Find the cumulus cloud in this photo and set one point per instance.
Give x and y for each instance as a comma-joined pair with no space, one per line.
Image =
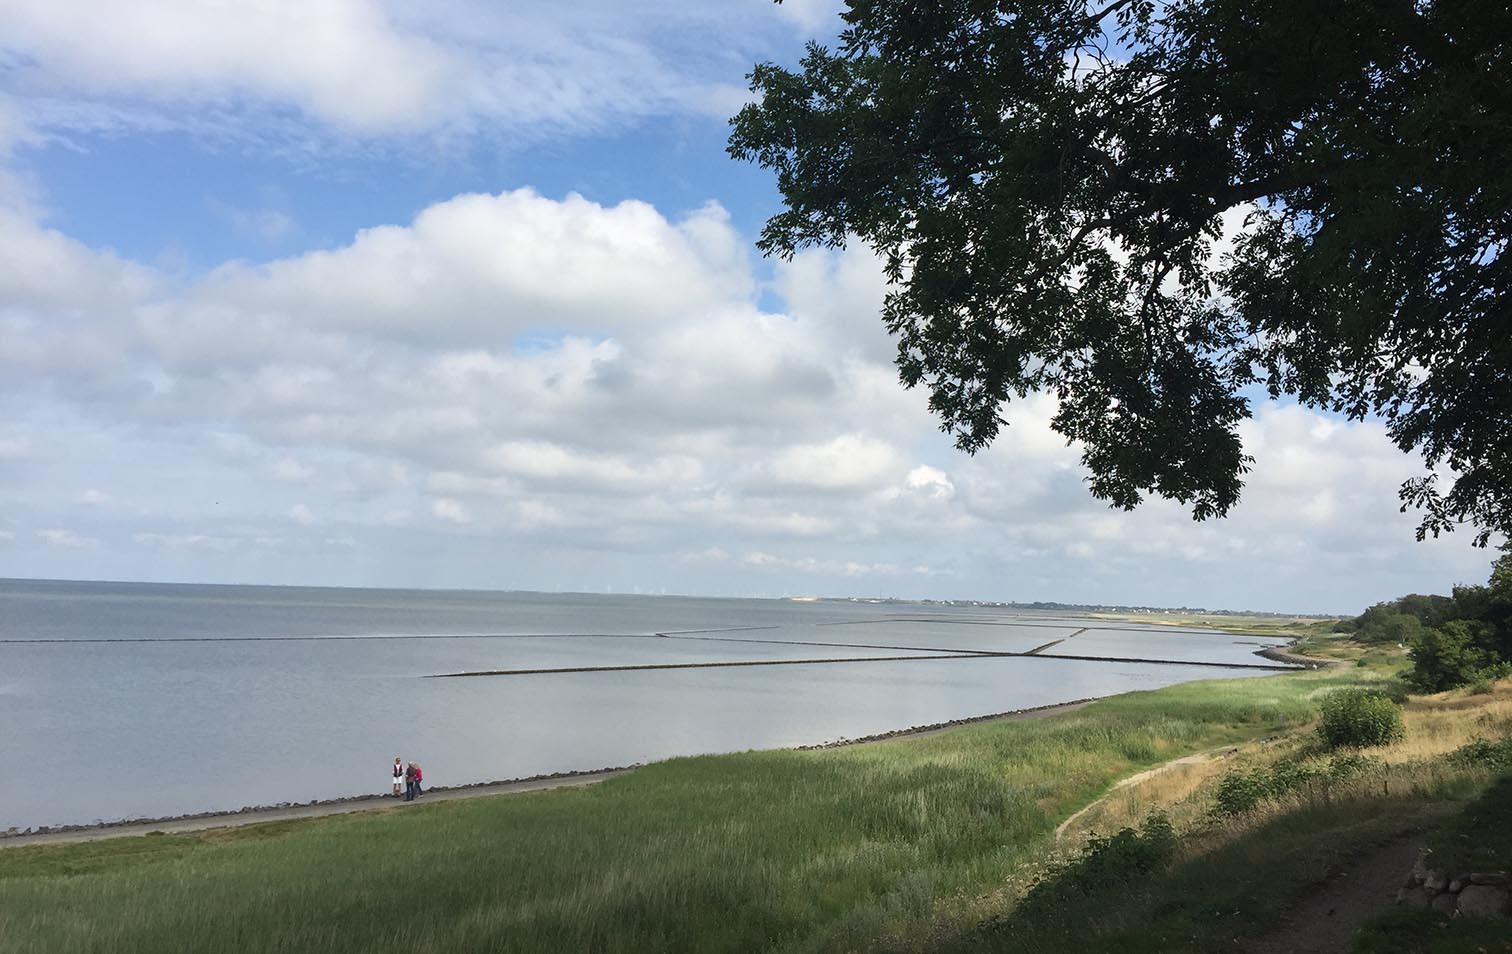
568,389
371,68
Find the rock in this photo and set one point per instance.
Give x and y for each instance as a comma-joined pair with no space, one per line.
1420,867
1483,901
1435,881
1487,877
1443,903
1418,898
1456,885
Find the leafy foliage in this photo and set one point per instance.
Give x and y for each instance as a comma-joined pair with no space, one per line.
1359,718
1242,791
1047,181
1453,640
1496,755
1105,862
1452,655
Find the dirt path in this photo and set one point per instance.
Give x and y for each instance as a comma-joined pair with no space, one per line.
1325,923
1134,779
382,803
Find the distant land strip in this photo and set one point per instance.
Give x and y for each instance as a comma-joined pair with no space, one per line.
1173,629
959,654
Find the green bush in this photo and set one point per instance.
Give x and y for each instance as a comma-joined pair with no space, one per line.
1105,863
1451,655
1495,755
1349,764
1239,792
1358,718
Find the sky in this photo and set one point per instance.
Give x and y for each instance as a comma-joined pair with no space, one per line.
465,294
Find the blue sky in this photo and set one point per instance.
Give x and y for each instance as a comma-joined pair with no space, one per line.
359,293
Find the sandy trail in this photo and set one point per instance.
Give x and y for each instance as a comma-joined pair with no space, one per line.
1134,779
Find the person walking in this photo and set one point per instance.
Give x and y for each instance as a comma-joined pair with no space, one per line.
398,777
419,777
409,782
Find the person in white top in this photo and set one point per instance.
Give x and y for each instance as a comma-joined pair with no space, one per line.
398,777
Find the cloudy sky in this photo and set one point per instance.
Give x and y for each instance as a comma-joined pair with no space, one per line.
463,294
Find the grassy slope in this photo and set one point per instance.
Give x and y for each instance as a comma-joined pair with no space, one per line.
786,851
1233,876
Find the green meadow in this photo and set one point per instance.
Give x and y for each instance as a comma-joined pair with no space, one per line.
913,844
823,850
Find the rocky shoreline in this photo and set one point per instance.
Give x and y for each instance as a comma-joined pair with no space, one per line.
359,802
350,800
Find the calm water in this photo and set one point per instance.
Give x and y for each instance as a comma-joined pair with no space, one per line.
142,700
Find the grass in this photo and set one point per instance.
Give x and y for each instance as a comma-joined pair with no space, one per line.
1479,838
868,847
1233,875
910,845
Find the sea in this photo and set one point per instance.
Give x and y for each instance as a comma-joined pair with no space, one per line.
143,700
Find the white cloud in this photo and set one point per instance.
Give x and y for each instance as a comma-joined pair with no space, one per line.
444,508
58,537
590,388
848,462
186,541
930,482
289,469
372,68
343,61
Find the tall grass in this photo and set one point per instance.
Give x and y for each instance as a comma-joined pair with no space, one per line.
795,851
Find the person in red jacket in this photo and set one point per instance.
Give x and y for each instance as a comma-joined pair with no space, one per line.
419,777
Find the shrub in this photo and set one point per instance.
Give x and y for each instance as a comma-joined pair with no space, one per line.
1450,655
1239,792
1349,764
1359,718
1494,755
1105,863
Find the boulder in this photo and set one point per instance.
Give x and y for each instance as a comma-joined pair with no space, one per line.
1456,885
1418,898
1420,866
1435,881
1483,901
1487,877
1442,903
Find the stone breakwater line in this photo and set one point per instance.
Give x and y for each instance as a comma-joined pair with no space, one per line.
963,654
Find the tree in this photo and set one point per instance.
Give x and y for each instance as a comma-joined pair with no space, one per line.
1046,182
1450,655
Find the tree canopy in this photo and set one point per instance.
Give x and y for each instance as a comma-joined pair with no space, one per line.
1046,182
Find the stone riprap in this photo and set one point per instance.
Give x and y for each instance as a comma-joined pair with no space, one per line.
1480,894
